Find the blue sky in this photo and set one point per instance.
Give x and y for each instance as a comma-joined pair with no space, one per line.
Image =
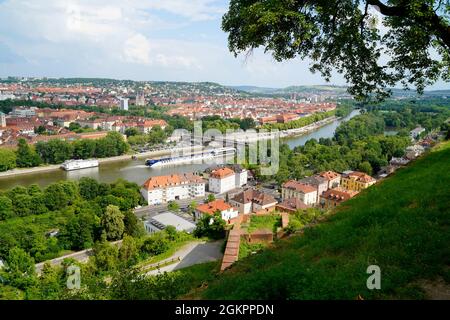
173,40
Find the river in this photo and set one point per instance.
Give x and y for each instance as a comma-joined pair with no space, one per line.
136,171
326,131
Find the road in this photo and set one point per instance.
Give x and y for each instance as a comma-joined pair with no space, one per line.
191,254
80,256
150,211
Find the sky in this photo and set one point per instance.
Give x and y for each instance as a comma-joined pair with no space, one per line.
160,40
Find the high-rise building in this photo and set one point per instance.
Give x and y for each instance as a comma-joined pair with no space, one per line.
2,120
124,104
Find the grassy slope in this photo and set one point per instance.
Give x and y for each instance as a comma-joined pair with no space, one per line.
402,225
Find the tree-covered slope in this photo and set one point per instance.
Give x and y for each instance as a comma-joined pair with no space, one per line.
402,225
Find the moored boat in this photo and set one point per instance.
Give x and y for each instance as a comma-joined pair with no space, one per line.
70,165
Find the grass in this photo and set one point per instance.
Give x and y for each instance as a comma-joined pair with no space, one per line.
401,224
174,247
246,249
270,222
197,276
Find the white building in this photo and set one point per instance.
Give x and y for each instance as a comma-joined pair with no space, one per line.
253,201
162,189
124,104
2,120
241,175
222,180
23,112
6,96
333,178
163,220
294,189
226,211
414,151
225,179
416,132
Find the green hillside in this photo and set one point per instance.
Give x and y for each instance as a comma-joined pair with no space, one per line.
402,225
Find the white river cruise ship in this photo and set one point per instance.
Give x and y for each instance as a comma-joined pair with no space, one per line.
70,165
194,157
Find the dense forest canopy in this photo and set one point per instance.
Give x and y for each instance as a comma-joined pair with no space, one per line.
353,37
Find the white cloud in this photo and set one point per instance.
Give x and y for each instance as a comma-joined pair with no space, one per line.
137,49
177,61
136,39
196,10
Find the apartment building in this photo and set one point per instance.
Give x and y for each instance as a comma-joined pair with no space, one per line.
356,181
253,201
222,180
295,189
291,205
162,189
333,178
226,210
333,197
320,184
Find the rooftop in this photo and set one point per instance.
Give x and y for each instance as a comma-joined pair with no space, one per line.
252,195
329,175
359,176
171,180
170,219
214,206
315,180
292,204
222,173
298,186
338,194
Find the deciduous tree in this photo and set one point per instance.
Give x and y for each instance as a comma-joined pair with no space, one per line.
112,223
374,43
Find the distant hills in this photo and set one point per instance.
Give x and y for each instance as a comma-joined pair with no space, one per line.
311,89
328,89
302,90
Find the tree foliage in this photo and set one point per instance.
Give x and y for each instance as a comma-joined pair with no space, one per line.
7,159
210,226
375,44
112,223
26,156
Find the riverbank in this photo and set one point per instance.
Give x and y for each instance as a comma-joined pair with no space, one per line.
290,133
308,128
49,168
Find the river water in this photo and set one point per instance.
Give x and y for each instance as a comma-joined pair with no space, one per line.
136,171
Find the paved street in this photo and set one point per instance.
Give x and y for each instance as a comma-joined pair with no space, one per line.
150,211
191,254
80,256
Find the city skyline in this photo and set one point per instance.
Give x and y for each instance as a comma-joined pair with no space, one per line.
138,40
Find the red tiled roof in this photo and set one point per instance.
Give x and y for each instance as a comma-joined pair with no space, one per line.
292,204
256,196
338,195
329,175
214,206
222,173
171,180
301,187
360,176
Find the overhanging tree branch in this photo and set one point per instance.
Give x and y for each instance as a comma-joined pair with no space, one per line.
442,29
